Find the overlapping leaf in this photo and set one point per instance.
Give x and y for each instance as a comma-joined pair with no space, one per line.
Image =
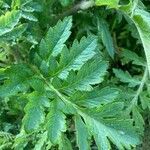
90,74
119,131
79,54
64,77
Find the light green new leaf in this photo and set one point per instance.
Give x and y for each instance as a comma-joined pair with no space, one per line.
34,112
55,39
9,21
82,134
78,55
56,123
110,3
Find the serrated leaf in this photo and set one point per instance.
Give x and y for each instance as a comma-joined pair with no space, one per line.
138,119
109,110
34,112
90,74
29,16
57,36
145,100
106,37
18,76
132,56
120,131
56,123
9,21
96,97
14,33
82,134
126,77
55,39
78,55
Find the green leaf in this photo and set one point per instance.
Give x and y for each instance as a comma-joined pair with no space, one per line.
56,123
126,77
78,55
65,143
138,119
34,112
14,33
133,57
9,21
90,74
141,19
66,2
95,97
110,3
29,16
42,140
145,100
120,131
106,37
17,81
19,3
20,142
55,39
82,135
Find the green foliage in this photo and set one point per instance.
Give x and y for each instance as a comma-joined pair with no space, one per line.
112,4
106,37
141,18
126,78
9,21
66,87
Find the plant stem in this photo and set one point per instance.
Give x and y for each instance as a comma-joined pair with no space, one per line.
52,88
